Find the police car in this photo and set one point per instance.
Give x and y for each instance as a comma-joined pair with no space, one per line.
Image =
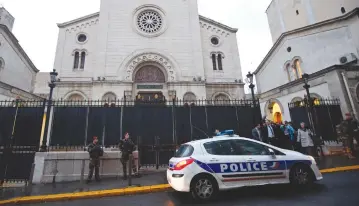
227,161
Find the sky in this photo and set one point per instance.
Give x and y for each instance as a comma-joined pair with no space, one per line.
35,25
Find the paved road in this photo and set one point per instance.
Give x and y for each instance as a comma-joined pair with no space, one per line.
335,189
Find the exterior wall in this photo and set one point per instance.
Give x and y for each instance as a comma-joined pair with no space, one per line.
15,70
41,83
233,91
332,8
282,16
6,18
67,44
69,165
322,90
228,46
353,85
116,50
328,85
317,49
181,40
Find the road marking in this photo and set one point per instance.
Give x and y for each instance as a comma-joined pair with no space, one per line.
340,169
119,192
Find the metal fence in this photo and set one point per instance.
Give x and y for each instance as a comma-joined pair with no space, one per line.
156,127
326,115
20,129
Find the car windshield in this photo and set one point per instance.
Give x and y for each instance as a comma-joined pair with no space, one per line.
184,150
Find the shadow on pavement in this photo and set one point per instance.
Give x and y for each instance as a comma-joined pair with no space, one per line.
246,194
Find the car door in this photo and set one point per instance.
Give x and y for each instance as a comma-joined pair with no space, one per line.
224,162
260,166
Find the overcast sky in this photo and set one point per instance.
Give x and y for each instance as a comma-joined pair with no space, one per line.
35,25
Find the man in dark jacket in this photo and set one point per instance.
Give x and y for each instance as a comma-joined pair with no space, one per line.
346,131
95,152
256,133
127,147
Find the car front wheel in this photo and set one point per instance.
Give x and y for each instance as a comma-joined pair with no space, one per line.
301,175
204,188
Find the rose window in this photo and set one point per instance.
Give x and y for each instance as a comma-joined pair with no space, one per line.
149,21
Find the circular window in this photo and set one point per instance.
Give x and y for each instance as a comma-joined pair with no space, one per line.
82,38
289,49
149,21
215,41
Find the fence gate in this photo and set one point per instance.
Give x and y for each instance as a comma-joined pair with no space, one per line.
20,130
326,115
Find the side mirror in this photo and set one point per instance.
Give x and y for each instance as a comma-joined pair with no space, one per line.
271,152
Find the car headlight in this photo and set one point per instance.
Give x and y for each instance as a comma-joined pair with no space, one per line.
312,159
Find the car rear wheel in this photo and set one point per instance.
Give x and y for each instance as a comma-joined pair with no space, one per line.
301,175
204,188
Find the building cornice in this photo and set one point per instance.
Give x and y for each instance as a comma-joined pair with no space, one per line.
18,92
97,14
349,15
18,47
216,23
75,21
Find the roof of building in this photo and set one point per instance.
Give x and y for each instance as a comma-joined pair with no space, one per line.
18,46
97,14
288,33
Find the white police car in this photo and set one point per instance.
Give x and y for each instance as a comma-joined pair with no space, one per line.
204,167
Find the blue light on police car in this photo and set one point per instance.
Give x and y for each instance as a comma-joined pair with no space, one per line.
226,132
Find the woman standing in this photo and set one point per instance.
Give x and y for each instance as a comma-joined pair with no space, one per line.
305,139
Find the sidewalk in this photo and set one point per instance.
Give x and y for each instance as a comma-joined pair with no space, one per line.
147,179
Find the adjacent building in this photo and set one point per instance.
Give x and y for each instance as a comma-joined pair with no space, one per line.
17,72
317,37
146,49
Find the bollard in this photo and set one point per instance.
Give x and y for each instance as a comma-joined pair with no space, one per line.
130,170
29,185
82,174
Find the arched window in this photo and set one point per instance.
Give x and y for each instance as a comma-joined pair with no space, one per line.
221,99
110,97
214,62
76,97
289,72
83,58
220,66
189,97
297,69
217,61
76,60
2,64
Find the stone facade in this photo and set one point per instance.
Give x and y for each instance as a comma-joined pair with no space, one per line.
314,49
17,72
102,53
288,15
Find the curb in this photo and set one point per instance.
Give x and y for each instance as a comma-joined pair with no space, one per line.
119,192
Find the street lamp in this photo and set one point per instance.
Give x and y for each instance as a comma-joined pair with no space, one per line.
52,85
305,78
251,86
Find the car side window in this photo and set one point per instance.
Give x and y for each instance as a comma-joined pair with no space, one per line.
245,147
222,147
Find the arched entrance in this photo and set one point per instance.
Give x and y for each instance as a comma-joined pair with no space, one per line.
150,82
274,111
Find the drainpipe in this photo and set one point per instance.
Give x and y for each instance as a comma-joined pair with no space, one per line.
349,94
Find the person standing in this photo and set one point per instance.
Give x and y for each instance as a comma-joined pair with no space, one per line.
95,152
346,131
256,133
305,139
126,147
268,133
